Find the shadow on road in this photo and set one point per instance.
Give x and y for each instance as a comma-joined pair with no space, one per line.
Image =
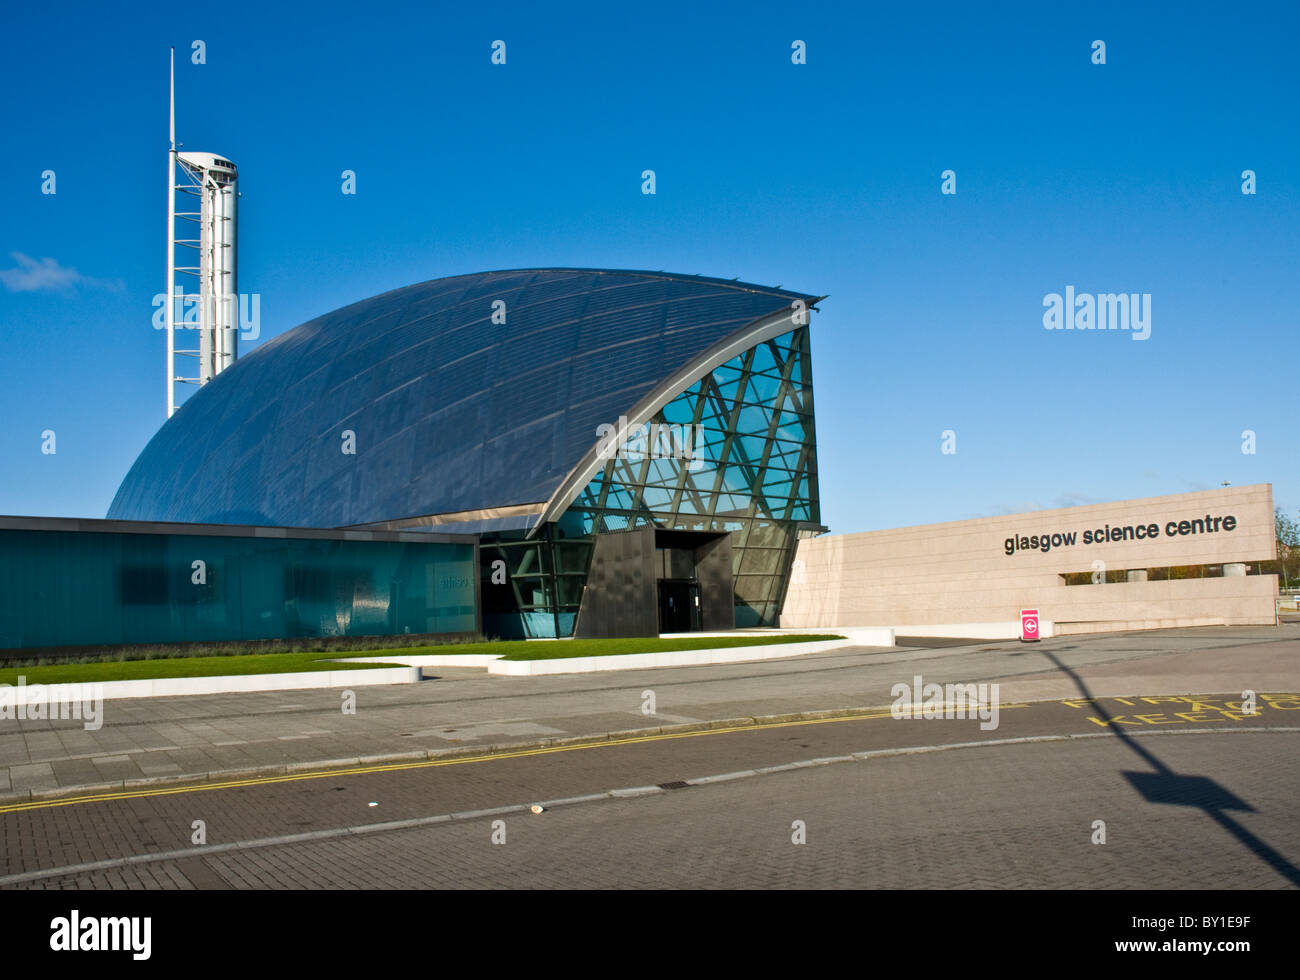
1168,787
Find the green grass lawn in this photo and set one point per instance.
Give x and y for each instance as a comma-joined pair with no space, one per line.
563,649
135,670
292,663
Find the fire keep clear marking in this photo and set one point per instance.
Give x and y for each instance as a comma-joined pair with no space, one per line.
1181,709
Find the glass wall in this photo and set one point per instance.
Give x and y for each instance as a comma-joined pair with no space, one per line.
87,588
532,588
736,451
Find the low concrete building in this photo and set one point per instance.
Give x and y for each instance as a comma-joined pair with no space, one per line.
972,578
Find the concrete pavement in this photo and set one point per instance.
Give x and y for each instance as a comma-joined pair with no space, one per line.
458,709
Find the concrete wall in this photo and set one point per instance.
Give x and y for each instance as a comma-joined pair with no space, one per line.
960,573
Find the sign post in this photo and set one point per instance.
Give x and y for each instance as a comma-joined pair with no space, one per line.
1029,625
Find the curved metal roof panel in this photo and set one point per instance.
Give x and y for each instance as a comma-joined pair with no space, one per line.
451,412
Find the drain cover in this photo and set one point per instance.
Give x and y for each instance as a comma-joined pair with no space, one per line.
675,784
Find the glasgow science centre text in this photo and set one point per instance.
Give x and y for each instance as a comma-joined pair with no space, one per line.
1129,532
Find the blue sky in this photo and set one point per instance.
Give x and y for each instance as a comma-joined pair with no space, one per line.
823,177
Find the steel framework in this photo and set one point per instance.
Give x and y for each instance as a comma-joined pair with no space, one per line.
205,224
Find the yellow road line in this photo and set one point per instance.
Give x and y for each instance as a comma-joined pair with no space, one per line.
144,793
135,794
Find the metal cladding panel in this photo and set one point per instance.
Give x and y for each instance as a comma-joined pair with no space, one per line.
621,595
713,566
451,412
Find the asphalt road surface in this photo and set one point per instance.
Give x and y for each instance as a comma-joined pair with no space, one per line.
1159,792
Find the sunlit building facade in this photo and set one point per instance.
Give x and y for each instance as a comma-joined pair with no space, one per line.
635,451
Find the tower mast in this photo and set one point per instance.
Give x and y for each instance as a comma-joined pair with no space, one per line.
210,185
171,244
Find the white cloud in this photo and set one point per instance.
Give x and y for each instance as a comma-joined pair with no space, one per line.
36,275
1072,499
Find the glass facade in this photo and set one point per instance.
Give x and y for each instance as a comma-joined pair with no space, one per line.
543,587
736,451
86,588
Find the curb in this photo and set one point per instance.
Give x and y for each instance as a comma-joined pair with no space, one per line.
706,657
176,687
412,669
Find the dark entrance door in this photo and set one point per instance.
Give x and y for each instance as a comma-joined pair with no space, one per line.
679,607
678,581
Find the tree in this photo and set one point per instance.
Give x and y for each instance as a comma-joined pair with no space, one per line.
1288,542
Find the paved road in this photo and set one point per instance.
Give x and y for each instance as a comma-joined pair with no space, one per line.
195,737
1194,793
1148,733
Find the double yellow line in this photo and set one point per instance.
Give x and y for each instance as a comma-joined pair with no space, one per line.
143,793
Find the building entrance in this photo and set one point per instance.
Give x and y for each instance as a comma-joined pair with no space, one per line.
650,580
679,606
